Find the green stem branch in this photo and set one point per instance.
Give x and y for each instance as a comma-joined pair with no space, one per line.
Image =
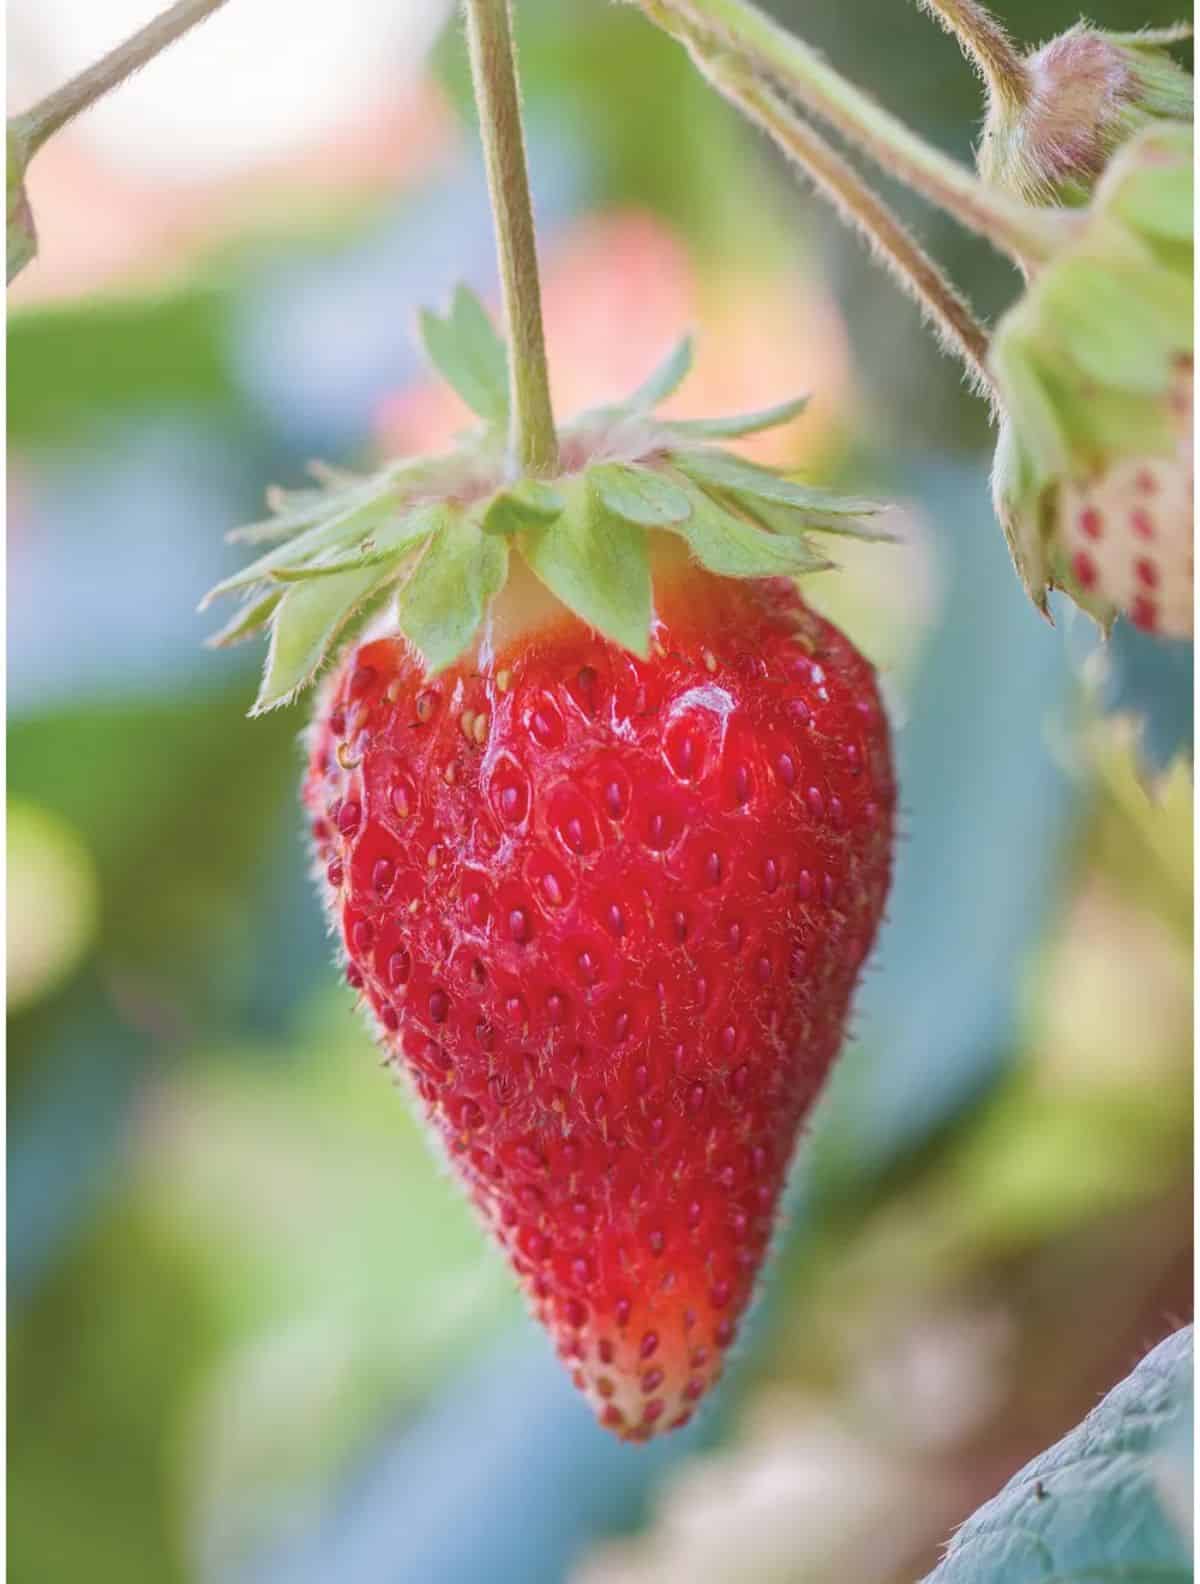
493,70
1029,236
860,207
985,43
65,103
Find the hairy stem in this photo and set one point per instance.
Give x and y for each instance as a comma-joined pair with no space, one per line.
1027,235
493,70
985,43
860,207
65,103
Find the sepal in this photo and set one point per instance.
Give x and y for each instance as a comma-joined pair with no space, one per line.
441,603
305,625
466,351
665,380
1093,363
437,534
597,564
641,496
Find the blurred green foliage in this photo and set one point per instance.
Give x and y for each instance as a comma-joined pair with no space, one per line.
174,871
77,364
104,1366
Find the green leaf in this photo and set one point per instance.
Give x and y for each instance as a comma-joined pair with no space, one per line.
22,237
523,505
731,546
441,604
1089,1509
638,495
684,429
597,564
469,355
1176,1464
666,379
306,624
252,617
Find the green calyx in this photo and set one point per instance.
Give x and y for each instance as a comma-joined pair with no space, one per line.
1084,95
433,536
1086,362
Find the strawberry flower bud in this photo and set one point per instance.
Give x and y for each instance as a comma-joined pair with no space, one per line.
1084,95
1094,470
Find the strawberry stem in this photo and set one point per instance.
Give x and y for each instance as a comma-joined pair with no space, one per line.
493,70
1028,236
858,204
986,45
65,103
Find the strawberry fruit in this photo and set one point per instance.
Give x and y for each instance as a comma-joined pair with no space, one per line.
1128,532
603,814
1094,366
608,914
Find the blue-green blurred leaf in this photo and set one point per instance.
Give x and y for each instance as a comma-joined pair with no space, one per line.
1088,1510
1175,1463
507,1479
1152,681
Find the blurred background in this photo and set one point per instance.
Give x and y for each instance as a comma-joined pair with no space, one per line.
254,1335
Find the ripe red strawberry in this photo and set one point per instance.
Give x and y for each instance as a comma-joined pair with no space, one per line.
608,914
604,818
